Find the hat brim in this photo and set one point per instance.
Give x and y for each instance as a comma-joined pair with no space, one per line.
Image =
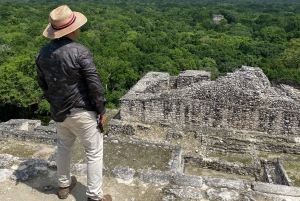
49,32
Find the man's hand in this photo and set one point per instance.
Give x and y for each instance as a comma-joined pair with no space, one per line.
100,122
102,119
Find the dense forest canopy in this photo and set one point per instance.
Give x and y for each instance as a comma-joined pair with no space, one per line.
129,38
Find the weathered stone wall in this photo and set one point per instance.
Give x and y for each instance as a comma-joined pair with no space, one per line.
240,113
18,129
275,173
176,185
281,175
20,124
222,166
218,140
242,100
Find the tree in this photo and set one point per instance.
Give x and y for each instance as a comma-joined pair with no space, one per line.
291,55
273,34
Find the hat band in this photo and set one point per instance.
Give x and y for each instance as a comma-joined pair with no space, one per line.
65,25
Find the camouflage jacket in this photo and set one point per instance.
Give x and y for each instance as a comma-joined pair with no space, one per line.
68,78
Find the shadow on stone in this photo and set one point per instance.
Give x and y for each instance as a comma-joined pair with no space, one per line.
38,175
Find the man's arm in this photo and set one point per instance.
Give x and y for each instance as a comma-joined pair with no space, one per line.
93,81
42,82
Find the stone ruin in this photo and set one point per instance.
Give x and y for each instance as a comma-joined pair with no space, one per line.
241,113
201,122
217,18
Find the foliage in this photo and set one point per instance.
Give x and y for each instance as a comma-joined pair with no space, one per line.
130,38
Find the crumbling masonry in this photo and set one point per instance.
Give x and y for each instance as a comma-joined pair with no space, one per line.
199,121
240,113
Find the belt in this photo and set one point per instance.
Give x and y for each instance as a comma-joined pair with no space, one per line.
83,108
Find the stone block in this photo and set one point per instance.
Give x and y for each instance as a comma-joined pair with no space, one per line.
222,194
157,177
6,160
225,183
183,192
187,180
5,174
124,173
79,169
24,175
276,189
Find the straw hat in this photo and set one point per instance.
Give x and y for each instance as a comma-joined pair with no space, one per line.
63,21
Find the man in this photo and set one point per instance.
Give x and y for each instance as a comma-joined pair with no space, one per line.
71,84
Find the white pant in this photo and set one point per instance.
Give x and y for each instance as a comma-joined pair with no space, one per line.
81,124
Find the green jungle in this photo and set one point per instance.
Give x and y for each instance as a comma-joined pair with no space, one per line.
129,38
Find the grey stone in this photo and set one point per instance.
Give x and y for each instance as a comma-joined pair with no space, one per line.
47,130
5,174
172,133
37,163
143,127
222,194
53,156
52,165
52,123
281,177
118,127
48,188
276,189
248,196
79,169
20,124
24,135
12,124
23,175
157,177
184,192
224,183
6,160
191,99
169,198
187,180
124,173
115,141
175,163
272,197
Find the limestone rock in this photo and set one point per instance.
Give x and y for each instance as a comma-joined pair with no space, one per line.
222,194
184,192
6,160
187,180
5,174
23,175
79,169
155,177
225,183
123,173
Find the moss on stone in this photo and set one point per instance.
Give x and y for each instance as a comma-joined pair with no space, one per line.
20,148
129,155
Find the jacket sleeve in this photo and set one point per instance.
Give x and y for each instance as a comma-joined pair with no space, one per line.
41,81
93,80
